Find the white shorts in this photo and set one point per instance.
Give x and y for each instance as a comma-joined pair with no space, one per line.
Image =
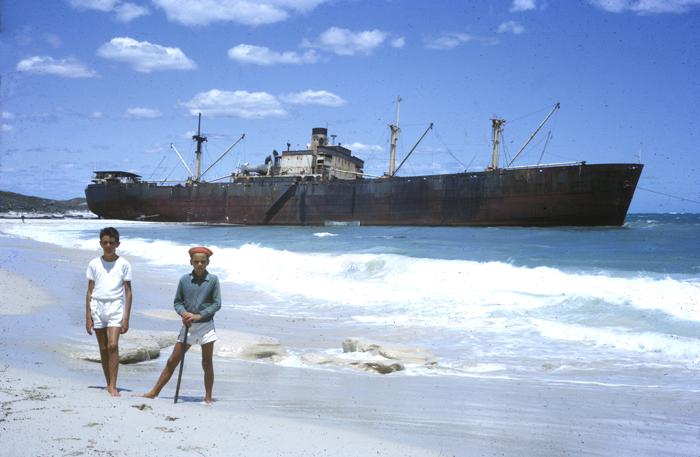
106,313
198,333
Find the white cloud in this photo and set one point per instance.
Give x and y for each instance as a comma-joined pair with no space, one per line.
260,55
398,42
159,147
96,115
144,56
248,12
523,5
7,115
6,127
35,117
45,65
451,40
510,27
612,6
646,6
127,12
142,113
247,105
364,147
313,97
346,42
99,5
123,11
53,40
448,41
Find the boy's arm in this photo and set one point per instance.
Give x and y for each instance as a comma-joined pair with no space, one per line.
215,304
179,302
88,315
127,306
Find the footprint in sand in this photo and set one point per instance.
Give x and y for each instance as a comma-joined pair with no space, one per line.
141,407
165,429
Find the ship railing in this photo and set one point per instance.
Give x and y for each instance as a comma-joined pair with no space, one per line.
359,174
546,165
166,181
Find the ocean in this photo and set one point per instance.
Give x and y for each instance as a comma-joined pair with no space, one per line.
613,306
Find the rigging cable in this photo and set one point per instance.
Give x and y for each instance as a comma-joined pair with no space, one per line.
169,174
503,144
549,135
450,152
669,195
510,121
157,167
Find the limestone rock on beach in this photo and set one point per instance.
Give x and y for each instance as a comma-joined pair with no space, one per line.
404,354
247,346
373,356
373,365
134,346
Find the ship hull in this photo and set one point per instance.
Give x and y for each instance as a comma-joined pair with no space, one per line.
573,195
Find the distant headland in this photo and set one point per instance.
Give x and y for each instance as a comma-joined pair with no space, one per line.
17,205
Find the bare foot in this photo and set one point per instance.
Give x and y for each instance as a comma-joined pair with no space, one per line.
208,401
114,392
149,395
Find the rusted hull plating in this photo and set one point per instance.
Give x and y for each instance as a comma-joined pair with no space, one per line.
575,195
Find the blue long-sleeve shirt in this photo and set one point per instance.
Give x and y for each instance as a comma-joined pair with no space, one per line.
198,295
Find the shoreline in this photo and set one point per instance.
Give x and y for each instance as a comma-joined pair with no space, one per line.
362,413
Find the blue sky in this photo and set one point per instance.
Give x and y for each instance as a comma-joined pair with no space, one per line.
109,84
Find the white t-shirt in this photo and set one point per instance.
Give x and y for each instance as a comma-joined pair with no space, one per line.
109,277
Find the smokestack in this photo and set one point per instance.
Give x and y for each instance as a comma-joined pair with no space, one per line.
319,137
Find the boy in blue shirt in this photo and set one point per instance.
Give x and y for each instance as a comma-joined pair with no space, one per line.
197,299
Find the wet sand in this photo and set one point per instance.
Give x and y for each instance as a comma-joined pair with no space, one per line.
51,403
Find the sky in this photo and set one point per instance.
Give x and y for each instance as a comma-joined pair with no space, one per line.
110,84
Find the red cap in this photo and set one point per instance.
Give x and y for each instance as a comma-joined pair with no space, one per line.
201,250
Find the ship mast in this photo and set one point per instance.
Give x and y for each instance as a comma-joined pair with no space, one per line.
199,139
394,138
496,126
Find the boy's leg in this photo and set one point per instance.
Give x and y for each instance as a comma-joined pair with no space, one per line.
168,369
101,335
208,366
113,354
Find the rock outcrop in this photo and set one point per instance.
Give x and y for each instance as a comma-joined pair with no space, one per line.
134,346
247,346
404,354
374,365
374,357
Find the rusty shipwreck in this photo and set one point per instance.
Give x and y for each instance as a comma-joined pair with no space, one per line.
326,184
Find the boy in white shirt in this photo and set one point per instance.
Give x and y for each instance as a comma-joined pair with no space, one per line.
108,303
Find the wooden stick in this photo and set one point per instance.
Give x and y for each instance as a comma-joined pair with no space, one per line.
182,364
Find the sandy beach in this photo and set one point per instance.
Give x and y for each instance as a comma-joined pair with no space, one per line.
52,401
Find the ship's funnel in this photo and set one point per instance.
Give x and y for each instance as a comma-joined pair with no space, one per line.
319,137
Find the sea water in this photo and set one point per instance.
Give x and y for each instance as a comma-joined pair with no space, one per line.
601,305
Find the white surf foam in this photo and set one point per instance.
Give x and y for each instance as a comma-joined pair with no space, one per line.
325,234
392,288
645,343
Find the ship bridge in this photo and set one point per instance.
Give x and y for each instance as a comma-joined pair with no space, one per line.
320,159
